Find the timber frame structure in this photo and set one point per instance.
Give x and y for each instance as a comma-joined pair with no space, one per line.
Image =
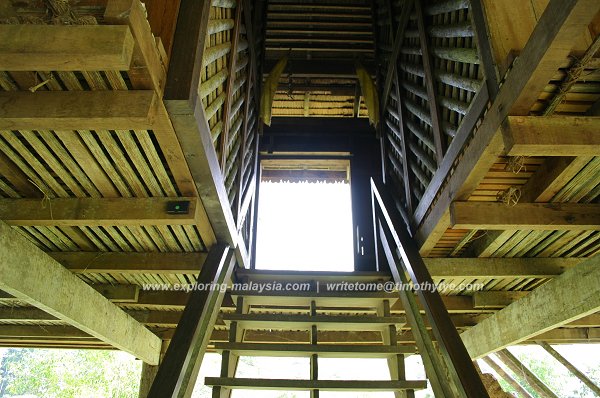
132,148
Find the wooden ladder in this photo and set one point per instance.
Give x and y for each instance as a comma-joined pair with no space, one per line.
314,321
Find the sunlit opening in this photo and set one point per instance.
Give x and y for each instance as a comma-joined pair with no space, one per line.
304,227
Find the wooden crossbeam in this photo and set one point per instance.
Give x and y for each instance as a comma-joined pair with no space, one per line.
34,277
83,110
130,263
189,263
571,296
95,212
534,216
65,48
552,136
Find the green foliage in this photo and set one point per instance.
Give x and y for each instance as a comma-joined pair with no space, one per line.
68,374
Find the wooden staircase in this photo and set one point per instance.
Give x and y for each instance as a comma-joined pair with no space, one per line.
313,311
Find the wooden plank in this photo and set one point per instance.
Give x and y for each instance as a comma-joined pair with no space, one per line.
323,350
549,45
130,263
18,178
552,136
85,110
529,216
65,48
177,374
306,385
95,212
32,276
571,296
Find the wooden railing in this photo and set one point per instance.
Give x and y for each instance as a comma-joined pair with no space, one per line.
450,370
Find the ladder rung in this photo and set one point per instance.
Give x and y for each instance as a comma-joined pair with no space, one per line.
323,385
305,322
323,350
322,299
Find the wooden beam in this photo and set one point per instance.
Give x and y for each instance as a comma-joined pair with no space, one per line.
534,216
130,263
82,110
571,296
506,377
194,136
95,212
574,371
177,374
496,299
552,136
548,46
34,277
65,48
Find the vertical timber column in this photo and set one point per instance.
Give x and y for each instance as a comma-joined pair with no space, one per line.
229,361
314,359
149,373
396,363
178,372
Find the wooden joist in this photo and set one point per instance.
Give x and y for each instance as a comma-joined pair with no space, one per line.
34,277
65,48
573,295
83,110
530,216
130,263
552,136
95,212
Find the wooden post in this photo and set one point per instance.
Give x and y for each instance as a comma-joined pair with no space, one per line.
177,374
314,358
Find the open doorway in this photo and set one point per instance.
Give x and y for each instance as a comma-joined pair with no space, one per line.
305,217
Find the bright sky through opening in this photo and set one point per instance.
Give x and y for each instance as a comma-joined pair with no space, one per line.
304,227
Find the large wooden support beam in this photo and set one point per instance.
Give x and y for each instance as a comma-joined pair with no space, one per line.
34,277
189,263
82,110
65,48
548,47
534,216
96,212
177,374
552,136
571,296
